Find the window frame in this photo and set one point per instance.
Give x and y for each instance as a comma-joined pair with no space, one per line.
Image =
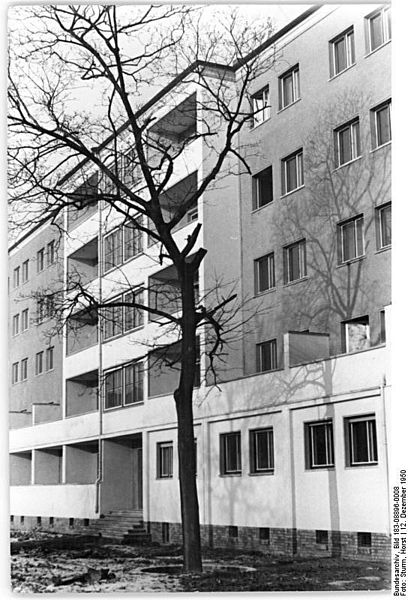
225,458
371,440
39,362
357,221
16,277
379,211
300,182
117,231
24,369
273,355
294,74
353,127
374,113
25,322
138,384
271,283
40,260
136,239
311,444
255,469
386,34
363,320
49,358
16,324
350,52
24,271
302,261
263,112
50,253
14,373
257,192
161,472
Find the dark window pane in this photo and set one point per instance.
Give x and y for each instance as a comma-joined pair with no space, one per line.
383,125
385,225
340,55
376,31
359,442
291,179
345,154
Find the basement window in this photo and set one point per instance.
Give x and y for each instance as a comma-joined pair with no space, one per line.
71,522
165,533
39,521
264,535
322,537
363,539
233,532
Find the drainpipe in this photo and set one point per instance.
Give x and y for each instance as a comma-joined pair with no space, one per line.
387,469
99,477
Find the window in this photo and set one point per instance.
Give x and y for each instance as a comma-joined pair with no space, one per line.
50,253
383,331
49,358
260,106
363,539
39,363
261,450
113,389
124,386
45,307
165,460
165,533
232,532
351,239
264,535
361,441
295,261
25,271
292,172
14,373
378,27
322,537
262,192
133,317
24,320
342,54
112,323
266,356
347,143
16,277
192,214
16,324
132,240
289,90
40,260
319,444
383,222
113,249
356,334
24,369
133,383
230,453
264,273
380,117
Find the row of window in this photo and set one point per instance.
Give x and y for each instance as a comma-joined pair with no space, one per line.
347,148
360,445
46,254
44,361
350,240
20,322
341,57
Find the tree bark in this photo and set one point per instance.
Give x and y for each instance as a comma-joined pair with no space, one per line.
186,446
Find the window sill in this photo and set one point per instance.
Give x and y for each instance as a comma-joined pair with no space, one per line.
293,191
257,125
351,261
296,281
381,146
320,468
122,406
127,260
288,105
346,164
362,465
230,474
378,48
384,249
164,477
267,371
260,473
256,210
341,72
264,292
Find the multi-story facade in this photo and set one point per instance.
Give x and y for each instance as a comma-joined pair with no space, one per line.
292,445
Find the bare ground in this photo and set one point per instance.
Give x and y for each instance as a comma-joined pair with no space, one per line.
119,568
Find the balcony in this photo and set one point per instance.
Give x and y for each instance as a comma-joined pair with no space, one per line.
176,128
83,201
82,331
82,394
82,265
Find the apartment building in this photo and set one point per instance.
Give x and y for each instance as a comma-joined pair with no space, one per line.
292,442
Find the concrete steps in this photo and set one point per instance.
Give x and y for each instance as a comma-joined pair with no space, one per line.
122,526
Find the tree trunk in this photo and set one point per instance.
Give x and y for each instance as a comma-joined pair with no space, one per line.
186,446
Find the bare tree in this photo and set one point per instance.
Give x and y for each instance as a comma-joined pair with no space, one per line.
119,55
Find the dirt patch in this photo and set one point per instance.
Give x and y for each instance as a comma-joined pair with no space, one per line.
116,568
